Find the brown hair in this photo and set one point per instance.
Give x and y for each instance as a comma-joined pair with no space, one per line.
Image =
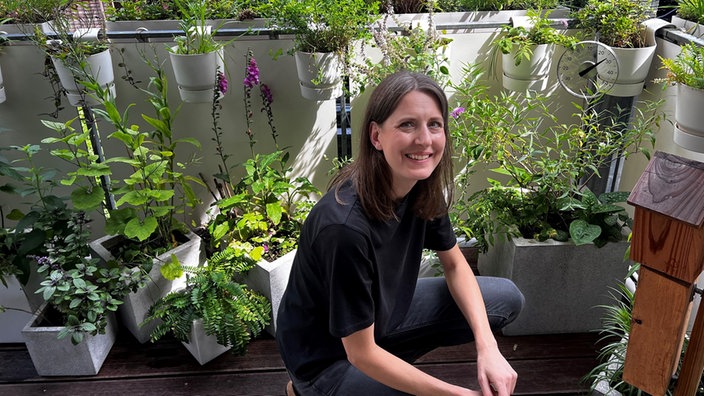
370,172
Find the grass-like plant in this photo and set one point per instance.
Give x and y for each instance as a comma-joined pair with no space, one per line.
691,10
687,67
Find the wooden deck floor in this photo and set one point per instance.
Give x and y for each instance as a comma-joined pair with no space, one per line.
546,365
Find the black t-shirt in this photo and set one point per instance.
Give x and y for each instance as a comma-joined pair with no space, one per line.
349,272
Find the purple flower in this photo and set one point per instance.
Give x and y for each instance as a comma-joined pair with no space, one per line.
266,94
252,76
222,82
266,248
456,112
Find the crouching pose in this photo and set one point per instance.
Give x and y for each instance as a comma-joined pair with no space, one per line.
355,315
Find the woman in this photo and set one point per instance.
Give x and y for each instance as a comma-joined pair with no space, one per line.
355,315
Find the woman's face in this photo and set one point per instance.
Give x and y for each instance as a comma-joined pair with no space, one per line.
412,140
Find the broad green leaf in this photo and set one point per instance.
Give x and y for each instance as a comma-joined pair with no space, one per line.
171,269
583,233
140,230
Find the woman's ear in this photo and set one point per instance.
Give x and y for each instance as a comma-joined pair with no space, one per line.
374,135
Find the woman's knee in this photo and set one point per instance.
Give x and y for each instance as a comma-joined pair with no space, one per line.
504,301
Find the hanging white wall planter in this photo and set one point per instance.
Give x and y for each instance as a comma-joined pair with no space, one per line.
529,74
689,118
196,74
633,65
319,75
100,68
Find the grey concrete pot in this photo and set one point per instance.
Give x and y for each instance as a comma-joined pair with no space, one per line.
136,305
58,357
203,347
562,283
270,279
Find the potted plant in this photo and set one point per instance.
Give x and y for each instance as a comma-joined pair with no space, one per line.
527,47
23,16
619,24
77,56
216,312
81,298
143,206
686,71
262,212
538,202
690,17
197,57
323,31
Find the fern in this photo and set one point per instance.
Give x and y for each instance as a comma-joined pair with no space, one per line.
230,311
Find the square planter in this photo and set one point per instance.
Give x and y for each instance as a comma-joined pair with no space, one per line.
203,347
563,284
59,357
136,305
270,279
21,302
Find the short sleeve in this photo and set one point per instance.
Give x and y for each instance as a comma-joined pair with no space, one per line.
345,255
439,234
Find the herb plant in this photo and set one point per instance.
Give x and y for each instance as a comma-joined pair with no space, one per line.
542,164
687,67
523,40
617,23
322,25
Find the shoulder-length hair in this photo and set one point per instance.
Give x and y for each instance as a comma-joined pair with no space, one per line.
370,173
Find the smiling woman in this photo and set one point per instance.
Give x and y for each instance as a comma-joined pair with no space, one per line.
355,315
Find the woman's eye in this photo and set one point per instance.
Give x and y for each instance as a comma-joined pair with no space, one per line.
435,125
407,124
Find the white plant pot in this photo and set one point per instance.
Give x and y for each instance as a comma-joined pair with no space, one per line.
196,74
59,357
693,28
633,67
270,279
203,347
98,65
319,75
563,284
530,74
3,97
689,118
136,305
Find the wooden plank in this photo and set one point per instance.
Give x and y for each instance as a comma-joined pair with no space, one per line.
667,245
660,311
524,347
671,185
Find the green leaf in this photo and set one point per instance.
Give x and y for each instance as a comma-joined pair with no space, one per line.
583,233
171,269
141,229
274,212
87,198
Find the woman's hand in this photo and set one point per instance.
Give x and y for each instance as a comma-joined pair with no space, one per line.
495,374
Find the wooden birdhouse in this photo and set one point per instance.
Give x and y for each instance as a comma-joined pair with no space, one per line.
668,242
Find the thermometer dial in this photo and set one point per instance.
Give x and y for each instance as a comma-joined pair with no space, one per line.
589,70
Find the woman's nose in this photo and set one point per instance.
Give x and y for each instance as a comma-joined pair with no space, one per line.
423,135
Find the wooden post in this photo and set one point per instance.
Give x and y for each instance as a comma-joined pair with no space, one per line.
693,365
668,241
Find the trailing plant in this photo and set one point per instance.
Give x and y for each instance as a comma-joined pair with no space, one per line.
687,67
543,164
523,40
214,293
77,287
322,25
617,23
417,48
262,211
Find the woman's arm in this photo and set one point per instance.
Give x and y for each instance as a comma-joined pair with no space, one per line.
377,363
494,372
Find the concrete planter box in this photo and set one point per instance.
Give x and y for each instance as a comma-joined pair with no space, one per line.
203,347
21,303
270,279
59,357
563,284
136,305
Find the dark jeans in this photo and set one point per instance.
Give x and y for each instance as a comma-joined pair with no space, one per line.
433,321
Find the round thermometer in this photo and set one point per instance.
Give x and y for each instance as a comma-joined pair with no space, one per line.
590,69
